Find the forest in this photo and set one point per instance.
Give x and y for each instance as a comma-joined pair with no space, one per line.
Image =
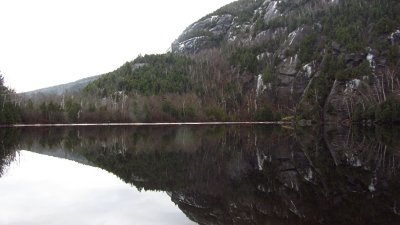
155,88
10,112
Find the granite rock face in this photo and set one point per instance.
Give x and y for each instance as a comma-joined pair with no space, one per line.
222,27
258,25
202,34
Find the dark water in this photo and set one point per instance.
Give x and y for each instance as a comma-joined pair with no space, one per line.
257,174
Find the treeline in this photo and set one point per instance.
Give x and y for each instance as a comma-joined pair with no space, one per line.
148,75
158,88
166,108
9,110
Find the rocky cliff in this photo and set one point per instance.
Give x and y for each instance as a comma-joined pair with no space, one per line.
324,59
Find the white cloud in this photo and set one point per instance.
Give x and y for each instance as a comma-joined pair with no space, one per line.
48,42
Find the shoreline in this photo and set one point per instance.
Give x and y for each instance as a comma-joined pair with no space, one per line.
143,124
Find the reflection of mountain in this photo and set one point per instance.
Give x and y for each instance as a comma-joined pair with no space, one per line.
61,153
246,175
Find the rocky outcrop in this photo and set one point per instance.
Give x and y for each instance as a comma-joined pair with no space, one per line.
233,28
289,66
214,28
203,34
294,53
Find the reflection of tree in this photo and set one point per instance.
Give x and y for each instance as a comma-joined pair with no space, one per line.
247,175
8,142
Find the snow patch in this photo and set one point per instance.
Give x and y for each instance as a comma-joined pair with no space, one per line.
293,59
352,85
394,36
261,157
292,36
137,178
260,56
266,2
261,187
262,35
181,46
190,43
370,58
353,160
232,39
260,85
372,187
138,65
333,1
271,11
214,18
189,201
309,175
308,69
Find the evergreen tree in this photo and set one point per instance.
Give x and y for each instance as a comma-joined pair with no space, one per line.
9,112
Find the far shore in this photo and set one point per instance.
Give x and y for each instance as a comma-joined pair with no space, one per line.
145,124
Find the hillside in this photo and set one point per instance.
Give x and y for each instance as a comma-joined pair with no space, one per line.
63,88
320,60
327,58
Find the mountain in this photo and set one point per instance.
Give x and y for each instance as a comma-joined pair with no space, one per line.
330,58
312,60
62,88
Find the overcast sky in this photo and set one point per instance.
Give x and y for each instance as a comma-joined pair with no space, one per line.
50,42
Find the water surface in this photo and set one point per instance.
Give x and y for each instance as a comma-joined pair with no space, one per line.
210,174
40,189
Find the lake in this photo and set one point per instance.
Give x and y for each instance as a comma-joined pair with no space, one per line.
200,174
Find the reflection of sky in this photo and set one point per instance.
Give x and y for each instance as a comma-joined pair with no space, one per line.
40,189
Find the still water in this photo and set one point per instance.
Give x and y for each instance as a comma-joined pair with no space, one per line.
40,189
220,174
